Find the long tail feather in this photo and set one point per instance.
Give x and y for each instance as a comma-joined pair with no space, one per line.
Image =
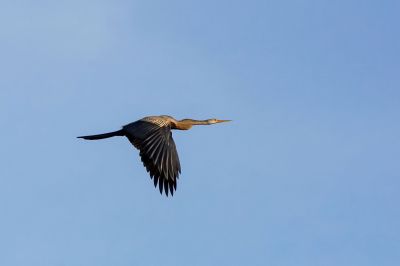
104,136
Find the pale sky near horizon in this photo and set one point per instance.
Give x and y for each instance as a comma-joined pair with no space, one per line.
307,173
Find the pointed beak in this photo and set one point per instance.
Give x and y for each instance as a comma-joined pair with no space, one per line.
220,121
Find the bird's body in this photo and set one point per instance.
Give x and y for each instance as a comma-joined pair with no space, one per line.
152,136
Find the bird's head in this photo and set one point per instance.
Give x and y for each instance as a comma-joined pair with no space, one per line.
215,121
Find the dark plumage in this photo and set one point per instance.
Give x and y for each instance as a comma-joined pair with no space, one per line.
152,136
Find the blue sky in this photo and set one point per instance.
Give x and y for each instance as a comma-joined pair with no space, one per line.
306,174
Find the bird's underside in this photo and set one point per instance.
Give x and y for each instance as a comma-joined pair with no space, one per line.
152,136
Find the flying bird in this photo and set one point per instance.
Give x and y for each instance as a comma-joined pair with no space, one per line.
152,136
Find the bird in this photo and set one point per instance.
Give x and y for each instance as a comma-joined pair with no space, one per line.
152,136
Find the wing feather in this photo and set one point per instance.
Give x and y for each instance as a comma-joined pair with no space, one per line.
157,151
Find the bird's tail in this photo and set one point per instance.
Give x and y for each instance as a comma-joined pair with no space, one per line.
104,136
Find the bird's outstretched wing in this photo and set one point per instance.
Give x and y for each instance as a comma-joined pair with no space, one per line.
157,151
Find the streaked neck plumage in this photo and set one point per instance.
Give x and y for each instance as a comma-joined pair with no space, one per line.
186,124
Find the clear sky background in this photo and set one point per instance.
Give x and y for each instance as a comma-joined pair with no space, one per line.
308,173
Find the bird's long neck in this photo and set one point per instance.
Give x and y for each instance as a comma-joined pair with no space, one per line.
186,124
